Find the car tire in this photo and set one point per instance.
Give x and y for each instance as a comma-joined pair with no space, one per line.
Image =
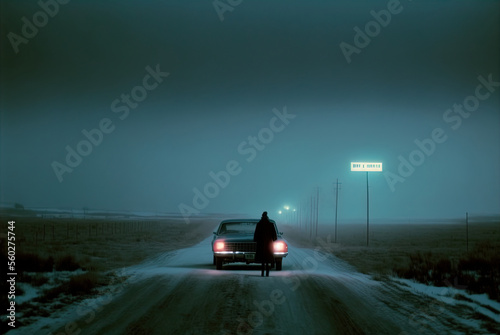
218,263
214,260
279,264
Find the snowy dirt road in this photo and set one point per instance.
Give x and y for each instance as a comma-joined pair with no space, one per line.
181,293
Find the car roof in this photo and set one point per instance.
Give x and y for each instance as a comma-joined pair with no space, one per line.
243,220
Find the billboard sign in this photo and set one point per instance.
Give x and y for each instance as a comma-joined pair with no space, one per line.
366,166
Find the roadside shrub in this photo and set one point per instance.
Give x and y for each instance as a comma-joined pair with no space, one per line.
426,268
67,263
30,262
485,285
83,284
36,280
477,272
481,268
475,264
78,285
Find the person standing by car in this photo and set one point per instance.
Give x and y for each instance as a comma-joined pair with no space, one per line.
264,236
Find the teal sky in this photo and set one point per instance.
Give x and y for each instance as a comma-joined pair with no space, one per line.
225,78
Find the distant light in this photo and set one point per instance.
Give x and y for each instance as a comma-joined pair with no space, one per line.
366,166
286,207
279,212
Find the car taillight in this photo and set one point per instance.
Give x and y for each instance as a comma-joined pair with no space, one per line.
280,246
219,246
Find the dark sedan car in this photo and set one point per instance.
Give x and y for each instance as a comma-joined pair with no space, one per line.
233,242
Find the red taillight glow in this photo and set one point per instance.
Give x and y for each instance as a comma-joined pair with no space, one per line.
219,246
280,246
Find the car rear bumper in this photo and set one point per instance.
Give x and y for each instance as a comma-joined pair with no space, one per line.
243,256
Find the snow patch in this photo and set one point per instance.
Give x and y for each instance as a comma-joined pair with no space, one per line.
452,296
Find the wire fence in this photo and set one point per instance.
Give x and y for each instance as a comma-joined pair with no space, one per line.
77,229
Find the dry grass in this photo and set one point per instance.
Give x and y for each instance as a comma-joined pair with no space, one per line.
95,246
429,253
102,244
78,285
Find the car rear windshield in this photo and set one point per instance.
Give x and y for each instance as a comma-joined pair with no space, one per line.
237,228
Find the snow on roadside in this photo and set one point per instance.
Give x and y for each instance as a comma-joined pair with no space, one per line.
54,279
449,295
30,293
69,314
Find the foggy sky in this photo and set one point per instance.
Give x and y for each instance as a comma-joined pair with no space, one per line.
225,79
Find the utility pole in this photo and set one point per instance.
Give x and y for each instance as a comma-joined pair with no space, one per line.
336,206
467,229
302,215
311,218
317,209
299,216
367,211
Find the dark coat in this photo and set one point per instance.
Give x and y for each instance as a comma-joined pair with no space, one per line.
264,235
